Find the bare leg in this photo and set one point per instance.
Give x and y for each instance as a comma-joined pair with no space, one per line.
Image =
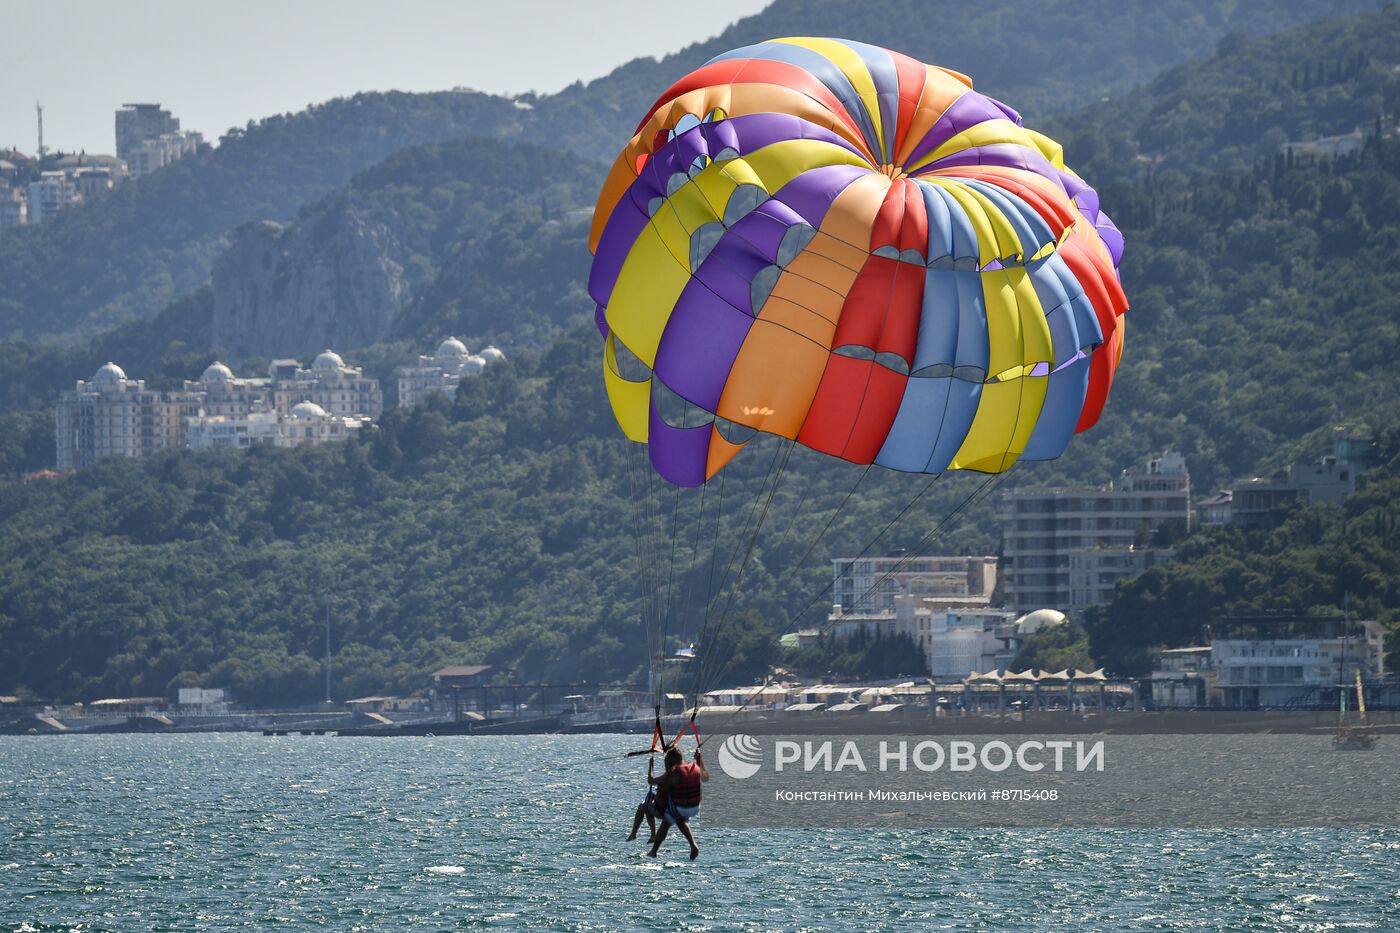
660,838
684,827
637,821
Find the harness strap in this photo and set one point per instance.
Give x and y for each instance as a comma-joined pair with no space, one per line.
692,728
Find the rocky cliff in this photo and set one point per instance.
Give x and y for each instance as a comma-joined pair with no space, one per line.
333,278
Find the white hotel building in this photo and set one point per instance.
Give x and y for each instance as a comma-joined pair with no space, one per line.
443,371
114,416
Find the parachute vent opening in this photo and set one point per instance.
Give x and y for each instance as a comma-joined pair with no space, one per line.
734,433
629,367
674,409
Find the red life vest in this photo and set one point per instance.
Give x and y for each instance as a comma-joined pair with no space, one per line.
684,787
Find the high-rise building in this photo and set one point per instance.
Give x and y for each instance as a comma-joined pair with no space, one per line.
223,393
339,389
113,416
1259,502
14,208
137,123
1044,530
53,193
871,584
441,372
1094,572
160,151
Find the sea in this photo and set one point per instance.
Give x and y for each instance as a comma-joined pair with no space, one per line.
242,831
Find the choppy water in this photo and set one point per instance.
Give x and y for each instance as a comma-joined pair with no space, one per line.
220,832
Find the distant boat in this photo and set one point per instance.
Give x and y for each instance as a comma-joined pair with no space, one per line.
1348,737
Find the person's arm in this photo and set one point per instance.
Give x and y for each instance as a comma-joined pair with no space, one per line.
704,772
651,770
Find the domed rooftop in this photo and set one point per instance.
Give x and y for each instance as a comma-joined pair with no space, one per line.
1033,622
308,410
493,355
110,372
452,349
328,360
473,365
217,372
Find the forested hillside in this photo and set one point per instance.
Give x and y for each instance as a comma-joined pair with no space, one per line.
1320,560
1046,57
1246,103
500,528
128,255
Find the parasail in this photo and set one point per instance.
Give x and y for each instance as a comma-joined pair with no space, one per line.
836,244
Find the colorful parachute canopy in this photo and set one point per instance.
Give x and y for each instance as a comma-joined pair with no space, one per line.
832,242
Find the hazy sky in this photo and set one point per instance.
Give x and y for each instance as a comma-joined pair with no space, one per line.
217,65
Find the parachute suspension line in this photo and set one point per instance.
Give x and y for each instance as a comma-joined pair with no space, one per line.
721,727
688,591
729,565
976,496
873,541
635,508
714,551
796,514
801,561
659,657
709,649
652,572
644,570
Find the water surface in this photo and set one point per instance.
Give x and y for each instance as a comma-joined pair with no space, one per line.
214,832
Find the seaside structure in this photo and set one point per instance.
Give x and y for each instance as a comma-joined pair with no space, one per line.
1270,662
443,371
872,584
954,635
1108,529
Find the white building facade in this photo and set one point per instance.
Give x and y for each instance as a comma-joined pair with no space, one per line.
441,372
52,194
114,416
329,383
872,584
1280,666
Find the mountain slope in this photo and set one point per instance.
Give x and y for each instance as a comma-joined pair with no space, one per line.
1043,57
130,253
345,269
1247,102
500,527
